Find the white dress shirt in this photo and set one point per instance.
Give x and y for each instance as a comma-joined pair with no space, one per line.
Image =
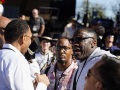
15,71
34,68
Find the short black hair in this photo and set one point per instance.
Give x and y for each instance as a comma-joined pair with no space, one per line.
109,72
70,40
15,29
89,31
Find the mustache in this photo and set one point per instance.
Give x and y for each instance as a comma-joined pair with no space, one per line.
61,54
78,48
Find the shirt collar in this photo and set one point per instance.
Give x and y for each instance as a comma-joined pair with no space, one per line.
13,48
68,70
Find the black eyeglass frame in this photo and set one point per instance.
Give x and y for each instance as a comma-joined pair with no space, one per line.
79,39
63,48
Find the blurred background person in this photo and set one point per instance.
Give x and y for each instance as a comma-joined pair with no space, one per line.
3,23
44,55
70,28
37,23
100,33
54,42
108,43
22,16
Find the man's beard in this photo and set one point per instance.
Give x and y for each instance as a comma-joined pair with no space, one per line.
60,61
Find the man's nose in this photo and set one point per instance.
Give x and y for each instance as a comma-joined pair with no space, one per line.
62,50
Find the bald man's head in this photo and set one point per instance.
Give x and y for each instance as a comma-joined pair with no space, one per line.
4,21
35,13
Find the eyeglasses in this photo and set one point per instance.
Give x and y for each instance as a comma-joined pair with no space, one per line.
79,39
62,48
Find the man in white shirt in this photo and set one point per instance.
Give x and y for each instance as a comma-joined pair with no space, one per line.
87,53
70,28
14,68
44,56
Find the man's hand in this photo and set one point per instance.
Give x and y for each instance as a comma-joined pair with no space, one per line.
42,78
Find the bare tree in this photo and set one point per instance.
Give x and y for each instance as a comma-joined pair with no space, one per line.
100,9
116,7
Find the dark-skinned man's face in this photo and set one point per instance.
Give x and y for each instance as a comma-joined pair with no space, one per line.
63,50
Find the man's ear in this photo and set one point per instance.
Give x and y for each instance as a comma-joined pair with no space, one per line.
93,43
99,86
22,39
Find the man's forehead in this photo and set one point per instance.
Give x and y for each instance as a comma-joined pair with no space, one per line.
35,11
64,42
82,34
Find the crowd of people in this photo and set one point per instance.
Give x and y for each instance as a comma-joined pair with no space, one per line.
83,58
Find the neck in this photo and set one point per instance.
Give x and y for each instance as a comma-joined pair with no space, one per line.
63,66
15,44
